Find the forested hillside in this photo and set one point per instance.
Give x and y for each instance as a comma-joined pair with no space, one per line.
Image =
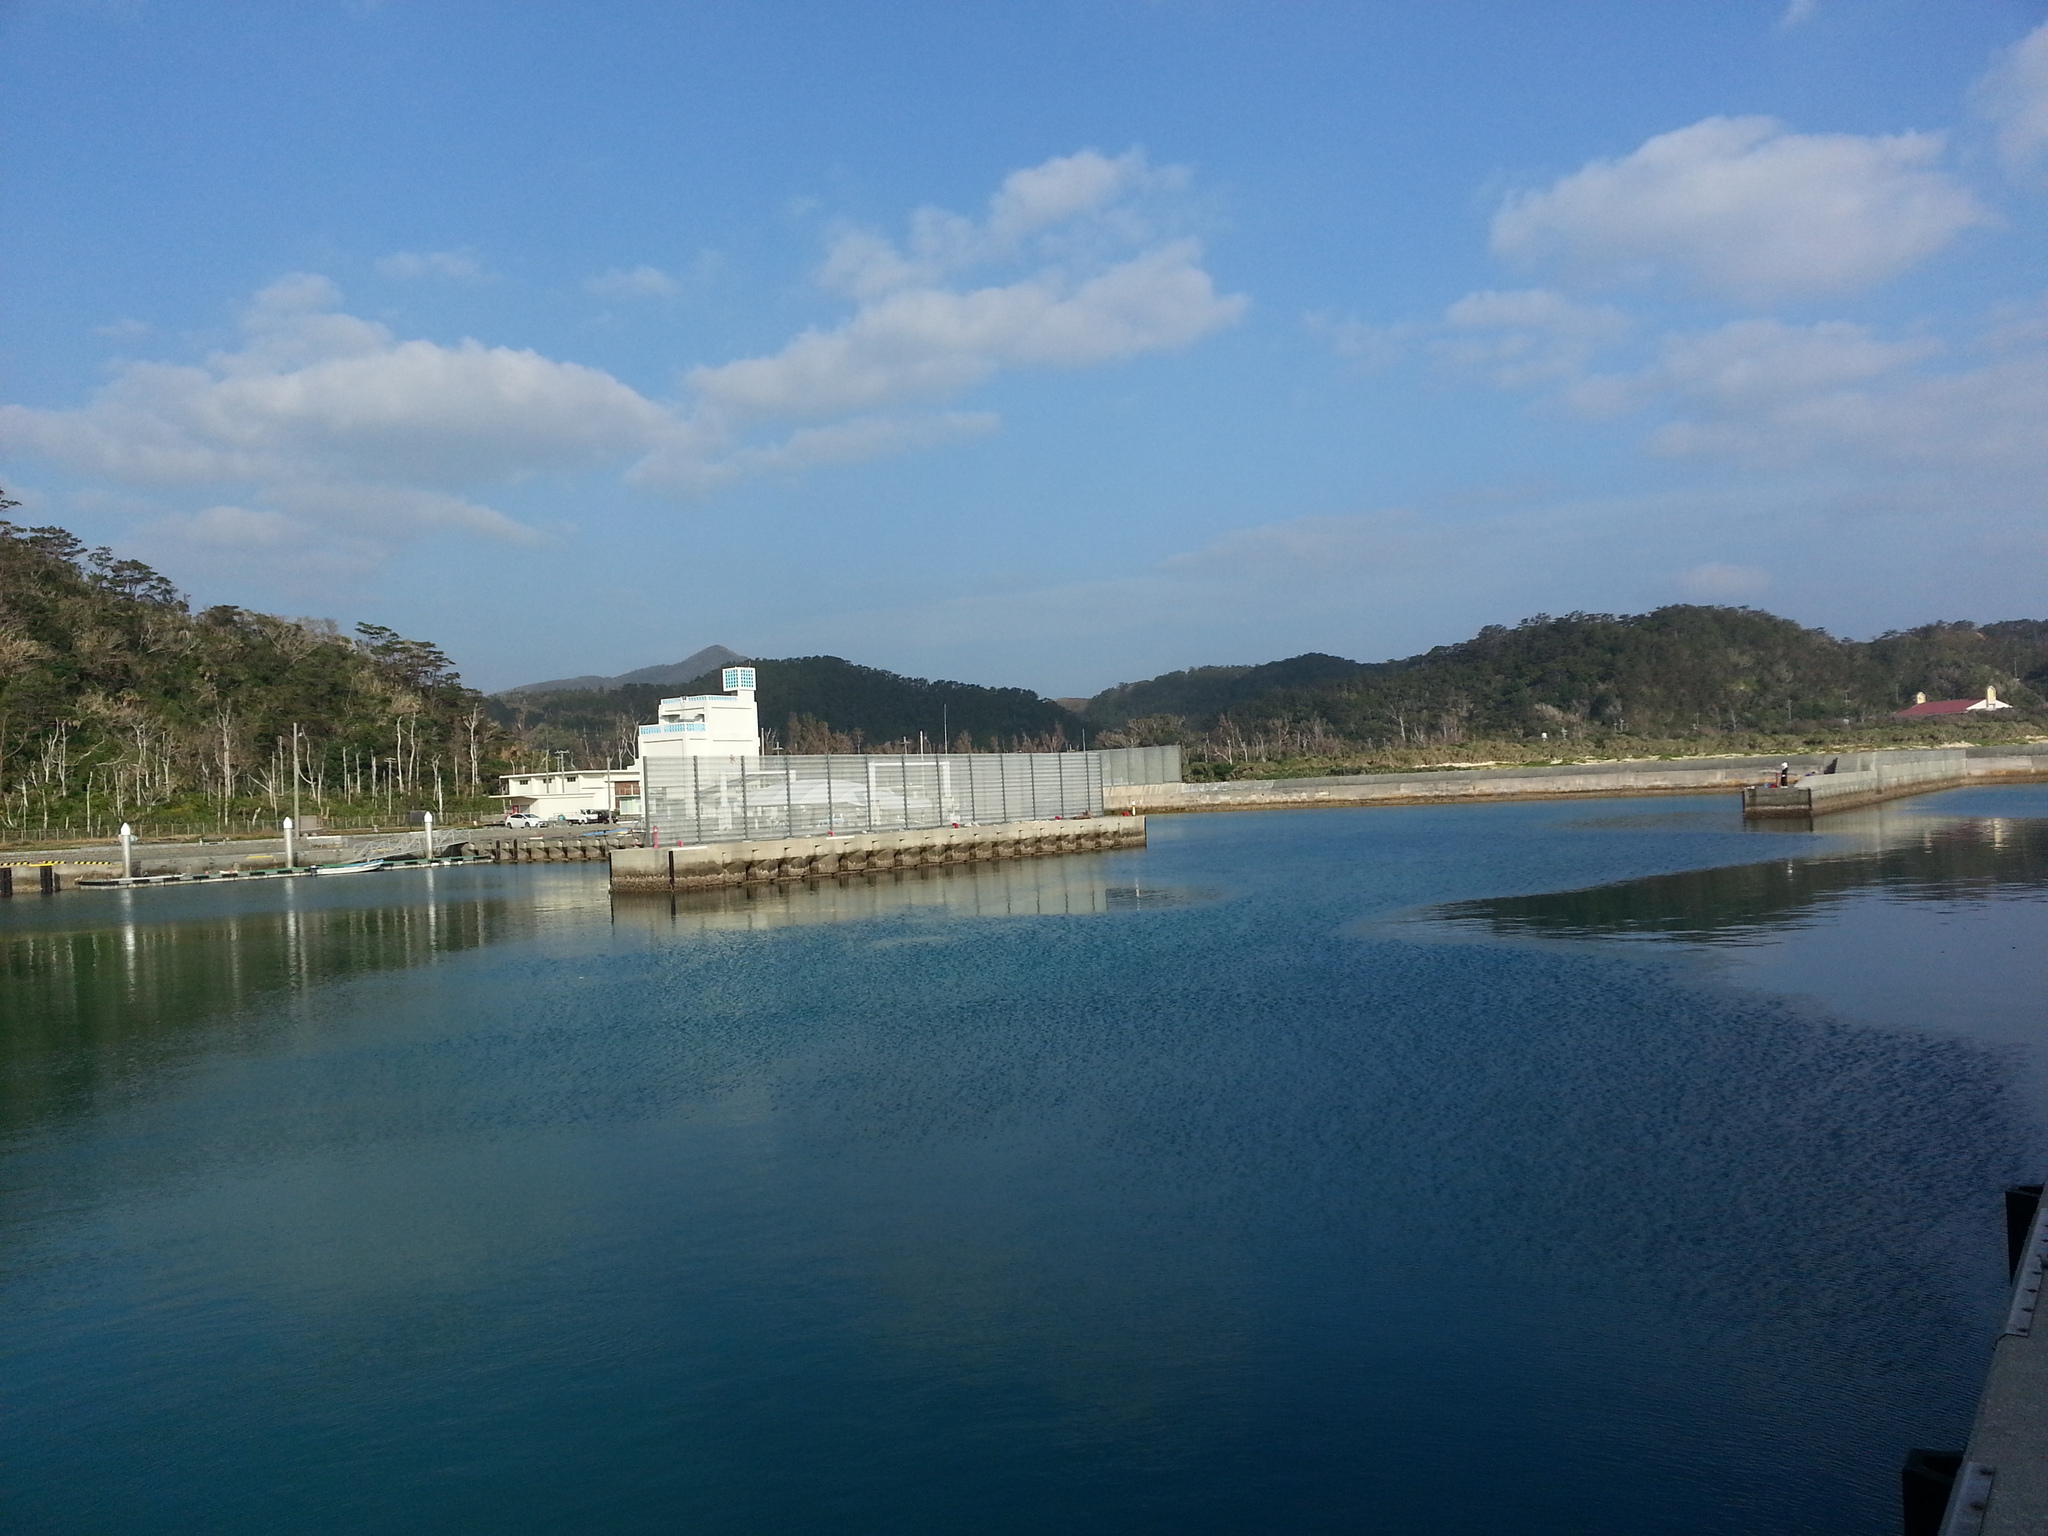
1679,673
808,704
118,702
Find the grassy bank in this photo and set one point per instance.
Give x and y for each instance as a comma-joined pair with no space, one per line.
1609,748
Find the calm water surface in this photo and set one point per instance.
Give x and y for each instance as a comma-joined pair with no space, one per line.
1546,1169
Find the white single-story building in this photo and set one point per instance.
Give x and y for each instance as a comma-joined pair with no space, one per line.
565,791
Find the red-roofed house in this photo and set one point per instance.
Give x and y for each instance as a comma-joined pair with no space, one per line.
1925,709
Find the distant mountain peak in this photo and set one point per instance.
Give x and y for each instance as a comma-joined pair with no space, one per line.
690,668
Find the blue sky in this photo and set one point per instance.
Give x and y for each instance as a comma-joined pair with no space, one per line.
1041,344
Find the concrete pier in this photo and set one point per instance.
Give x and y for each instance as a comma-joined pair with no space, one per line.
2001,1480
710,865
549,850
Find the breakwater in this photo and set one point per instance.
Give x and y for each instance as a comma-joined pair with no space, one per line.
711,865
1548,781
1864,778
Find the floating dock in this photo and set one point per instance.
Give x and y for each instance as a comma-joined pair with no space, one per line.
296,871
707,866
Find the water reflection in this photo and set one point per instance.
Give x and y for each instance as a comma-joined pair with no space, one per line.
1868,829
1911,858
1058,887
103,987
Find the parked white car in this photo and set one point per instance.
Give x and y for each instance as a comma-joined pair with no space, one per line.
523,819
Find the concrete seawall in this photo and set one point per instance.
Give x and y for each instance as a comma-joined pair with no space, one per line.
710,865
1439,787
1711,776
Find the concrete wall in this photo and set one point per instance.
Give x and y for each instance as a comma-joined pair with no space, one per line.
807,858
1704,776
1426,788
24,878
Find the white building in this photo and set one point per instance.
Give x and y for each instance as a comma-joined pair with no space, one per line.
703,725
613,791
707,724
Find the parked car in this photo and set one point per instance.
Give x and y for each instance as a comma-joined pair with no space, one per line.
523,819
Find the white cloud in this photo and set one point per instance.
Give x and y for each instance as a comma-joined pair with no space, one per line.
1526,337
695,462
304,555
1104,284
321,428
124,330
2014,95
357,438
1749,368
1979,425
1831,396
1370,346
639,283
319,397
1717,582
1797,13
930,342
1070,206
1741,208
406,266
1751,364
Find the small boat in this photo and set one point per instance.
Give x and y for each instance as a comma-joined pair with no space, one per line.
359,867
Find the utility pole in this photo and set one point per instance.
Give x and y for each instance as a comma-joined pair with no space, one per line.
295,773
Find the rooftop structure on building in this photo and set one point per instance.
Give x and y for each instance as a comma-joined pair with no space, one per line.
1924,708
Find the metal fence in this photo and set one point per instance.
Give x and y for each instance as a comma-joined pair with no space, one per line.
732,799
1141,765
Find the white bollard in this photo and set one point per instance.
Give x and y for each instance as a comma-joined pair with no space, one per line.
291,849
127,852
430,832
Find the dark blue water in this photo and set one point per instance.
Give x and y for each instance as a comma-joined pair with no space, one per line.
1239,1184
